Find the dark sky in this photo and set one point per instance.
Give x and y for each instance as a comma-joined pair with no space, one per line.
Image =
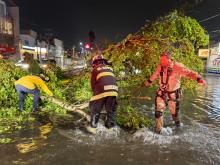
71,20
207,10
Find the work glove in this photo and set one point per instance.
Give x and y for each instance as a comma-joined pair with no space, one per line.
201,82
146,84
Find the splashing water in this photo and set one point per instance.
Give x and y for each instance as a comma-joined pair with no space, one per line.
106,133
102,133
148,137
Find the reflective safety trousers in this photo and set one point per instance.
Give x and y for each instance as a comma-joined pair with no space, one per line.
170,99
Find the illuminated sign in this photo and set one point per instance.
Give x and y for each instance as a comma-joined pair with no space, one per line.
213,64
33,50
204,53
7,49
6,26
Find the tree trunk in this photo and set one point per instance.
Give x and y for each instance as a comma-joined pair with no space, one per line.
70,107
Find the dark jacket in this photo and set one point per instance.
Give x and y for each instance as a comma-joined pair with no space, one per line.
103,82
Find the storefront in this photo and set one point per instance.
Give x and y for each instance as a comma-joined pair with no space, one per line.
35,51
6,32
213,64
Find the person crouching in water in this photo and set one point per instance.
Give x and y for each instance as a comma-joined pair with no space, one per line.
169,93
105,91
31,85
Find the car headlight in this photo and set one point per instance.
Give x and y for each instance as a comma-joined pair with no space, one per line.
26,66
44,66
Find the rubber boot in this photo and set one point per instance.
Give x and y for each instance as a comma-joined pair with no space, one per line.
159,125
94,120
176,120
109,124
110,120
91,128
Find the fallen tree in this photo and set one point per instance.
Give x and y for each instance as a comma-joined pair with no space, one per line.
137,55
70,107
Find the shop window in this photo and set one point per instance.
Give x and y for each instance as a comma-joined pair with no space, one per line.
26,42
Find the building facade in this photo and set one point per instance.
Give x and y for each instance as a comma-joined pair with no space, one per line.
56,52
30,44
9,27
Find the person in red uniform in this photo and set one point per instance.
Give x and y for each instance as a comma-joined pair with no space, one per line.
105,91
170,73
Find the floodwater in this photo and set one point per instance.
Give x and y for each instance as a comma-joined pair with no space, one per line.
197,142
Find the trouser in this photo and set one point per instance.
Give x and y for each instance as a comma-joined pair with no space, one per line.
22,91
96,107
172,99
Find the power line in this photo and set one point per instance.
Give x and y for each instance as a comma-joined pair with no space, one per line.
210,18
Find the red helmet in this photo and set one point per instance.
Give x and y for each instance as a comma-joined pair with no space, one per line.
165,59
167,54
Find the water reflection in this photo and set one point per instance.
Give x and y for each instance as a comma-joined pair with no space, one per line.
211,102
33,144
197,142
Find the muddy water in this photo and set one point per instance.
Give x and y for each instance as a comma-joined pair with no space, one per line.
197,142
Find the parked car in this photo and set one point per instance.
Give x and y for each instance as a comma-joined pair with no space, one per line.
42,63
22,64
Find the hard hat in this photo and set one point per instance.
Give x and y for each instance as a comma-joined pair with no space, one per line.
44,77
167,54
98,58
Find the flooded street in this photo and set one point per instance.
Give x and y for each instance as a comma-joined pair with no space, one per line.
197,142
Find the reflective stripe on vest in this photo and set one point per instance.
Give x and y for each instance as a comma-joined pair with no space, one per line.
102,74
104,67
105,94
110,87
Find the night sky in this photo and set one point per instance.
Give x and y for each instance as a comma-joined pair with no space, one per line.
71,20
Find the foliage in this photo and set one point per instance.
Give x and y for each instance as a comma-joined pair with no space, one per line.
55,84
75,89
130,118
5,140
138,55
78,89
9,73
52,109
10,117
